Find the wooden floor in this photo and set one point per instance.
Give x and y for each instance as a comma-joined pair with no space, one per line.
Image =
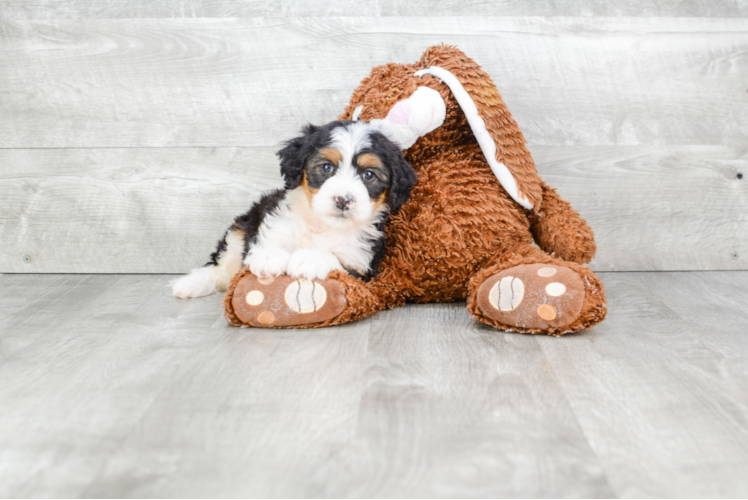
109,387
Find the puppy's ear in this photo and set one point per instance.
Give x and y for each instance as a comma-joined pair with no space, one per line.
402,175
403,180
294,155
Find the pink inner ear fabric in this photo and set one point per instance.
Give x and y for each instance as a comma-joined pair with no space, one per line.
400,112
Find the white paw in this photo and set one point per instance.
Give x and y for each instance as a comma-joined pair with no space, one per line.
267,262
199,283
312,264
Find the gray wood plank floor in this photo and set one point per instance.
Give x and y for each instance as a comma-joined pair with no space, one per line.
110,387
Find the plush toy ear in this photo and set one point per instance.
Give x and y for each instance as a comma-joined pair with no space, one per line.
498,135
294,155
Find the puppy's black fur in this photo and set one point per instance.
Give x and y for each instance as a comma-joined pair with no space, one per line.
249,223
297,152
402,175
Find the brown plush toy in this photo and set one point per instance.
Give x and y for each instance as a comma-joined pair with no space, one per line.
467,231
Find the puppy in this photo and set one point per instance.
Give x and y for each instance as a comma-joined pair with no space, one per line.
342,180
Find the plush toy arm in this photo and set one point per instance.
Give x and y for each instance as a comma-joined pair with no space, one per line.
558,229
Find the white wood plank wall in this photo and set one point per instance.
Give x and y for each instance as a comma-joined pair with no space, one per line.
133,132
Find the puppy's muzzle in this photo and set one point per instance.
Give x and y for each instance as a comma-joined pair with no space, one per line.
343,203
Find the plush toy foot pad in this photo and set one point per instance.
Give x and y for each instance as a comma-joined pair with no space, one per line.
533,296
284,301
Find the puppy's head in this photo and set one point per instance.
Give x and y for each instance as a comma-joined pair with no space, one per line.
349,172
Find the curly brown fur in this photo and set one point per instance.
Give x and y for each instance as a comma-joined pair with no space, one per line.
558,229
228,306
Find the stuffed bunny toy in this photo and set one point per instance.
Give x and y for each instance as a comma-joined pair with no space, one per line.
480,226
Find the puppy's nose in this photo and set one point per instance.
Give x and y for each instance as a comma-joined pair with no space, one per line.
343,202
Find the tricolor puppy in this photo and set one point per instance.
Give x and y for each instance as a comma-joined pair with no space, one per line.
341,182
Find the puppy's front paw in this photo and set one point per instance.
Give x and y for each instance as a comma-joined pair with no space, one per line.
312,264
267,262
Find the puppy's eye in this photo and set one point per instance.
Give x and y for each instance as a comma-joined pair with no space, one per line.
327,168
368,175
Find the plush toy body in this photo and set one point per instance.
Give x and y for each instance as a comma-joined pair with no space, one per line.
467,231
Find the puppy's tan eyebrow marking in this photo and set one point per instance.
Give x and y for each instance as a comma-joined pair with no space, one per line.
368,160
331,154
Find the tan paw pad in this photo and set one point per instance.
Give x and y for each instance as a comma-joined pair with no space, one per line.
266,318
546,312
546,272
255,298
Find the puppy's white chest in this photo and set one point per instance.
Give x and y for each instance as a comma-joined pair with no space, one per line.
352,248
295,227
